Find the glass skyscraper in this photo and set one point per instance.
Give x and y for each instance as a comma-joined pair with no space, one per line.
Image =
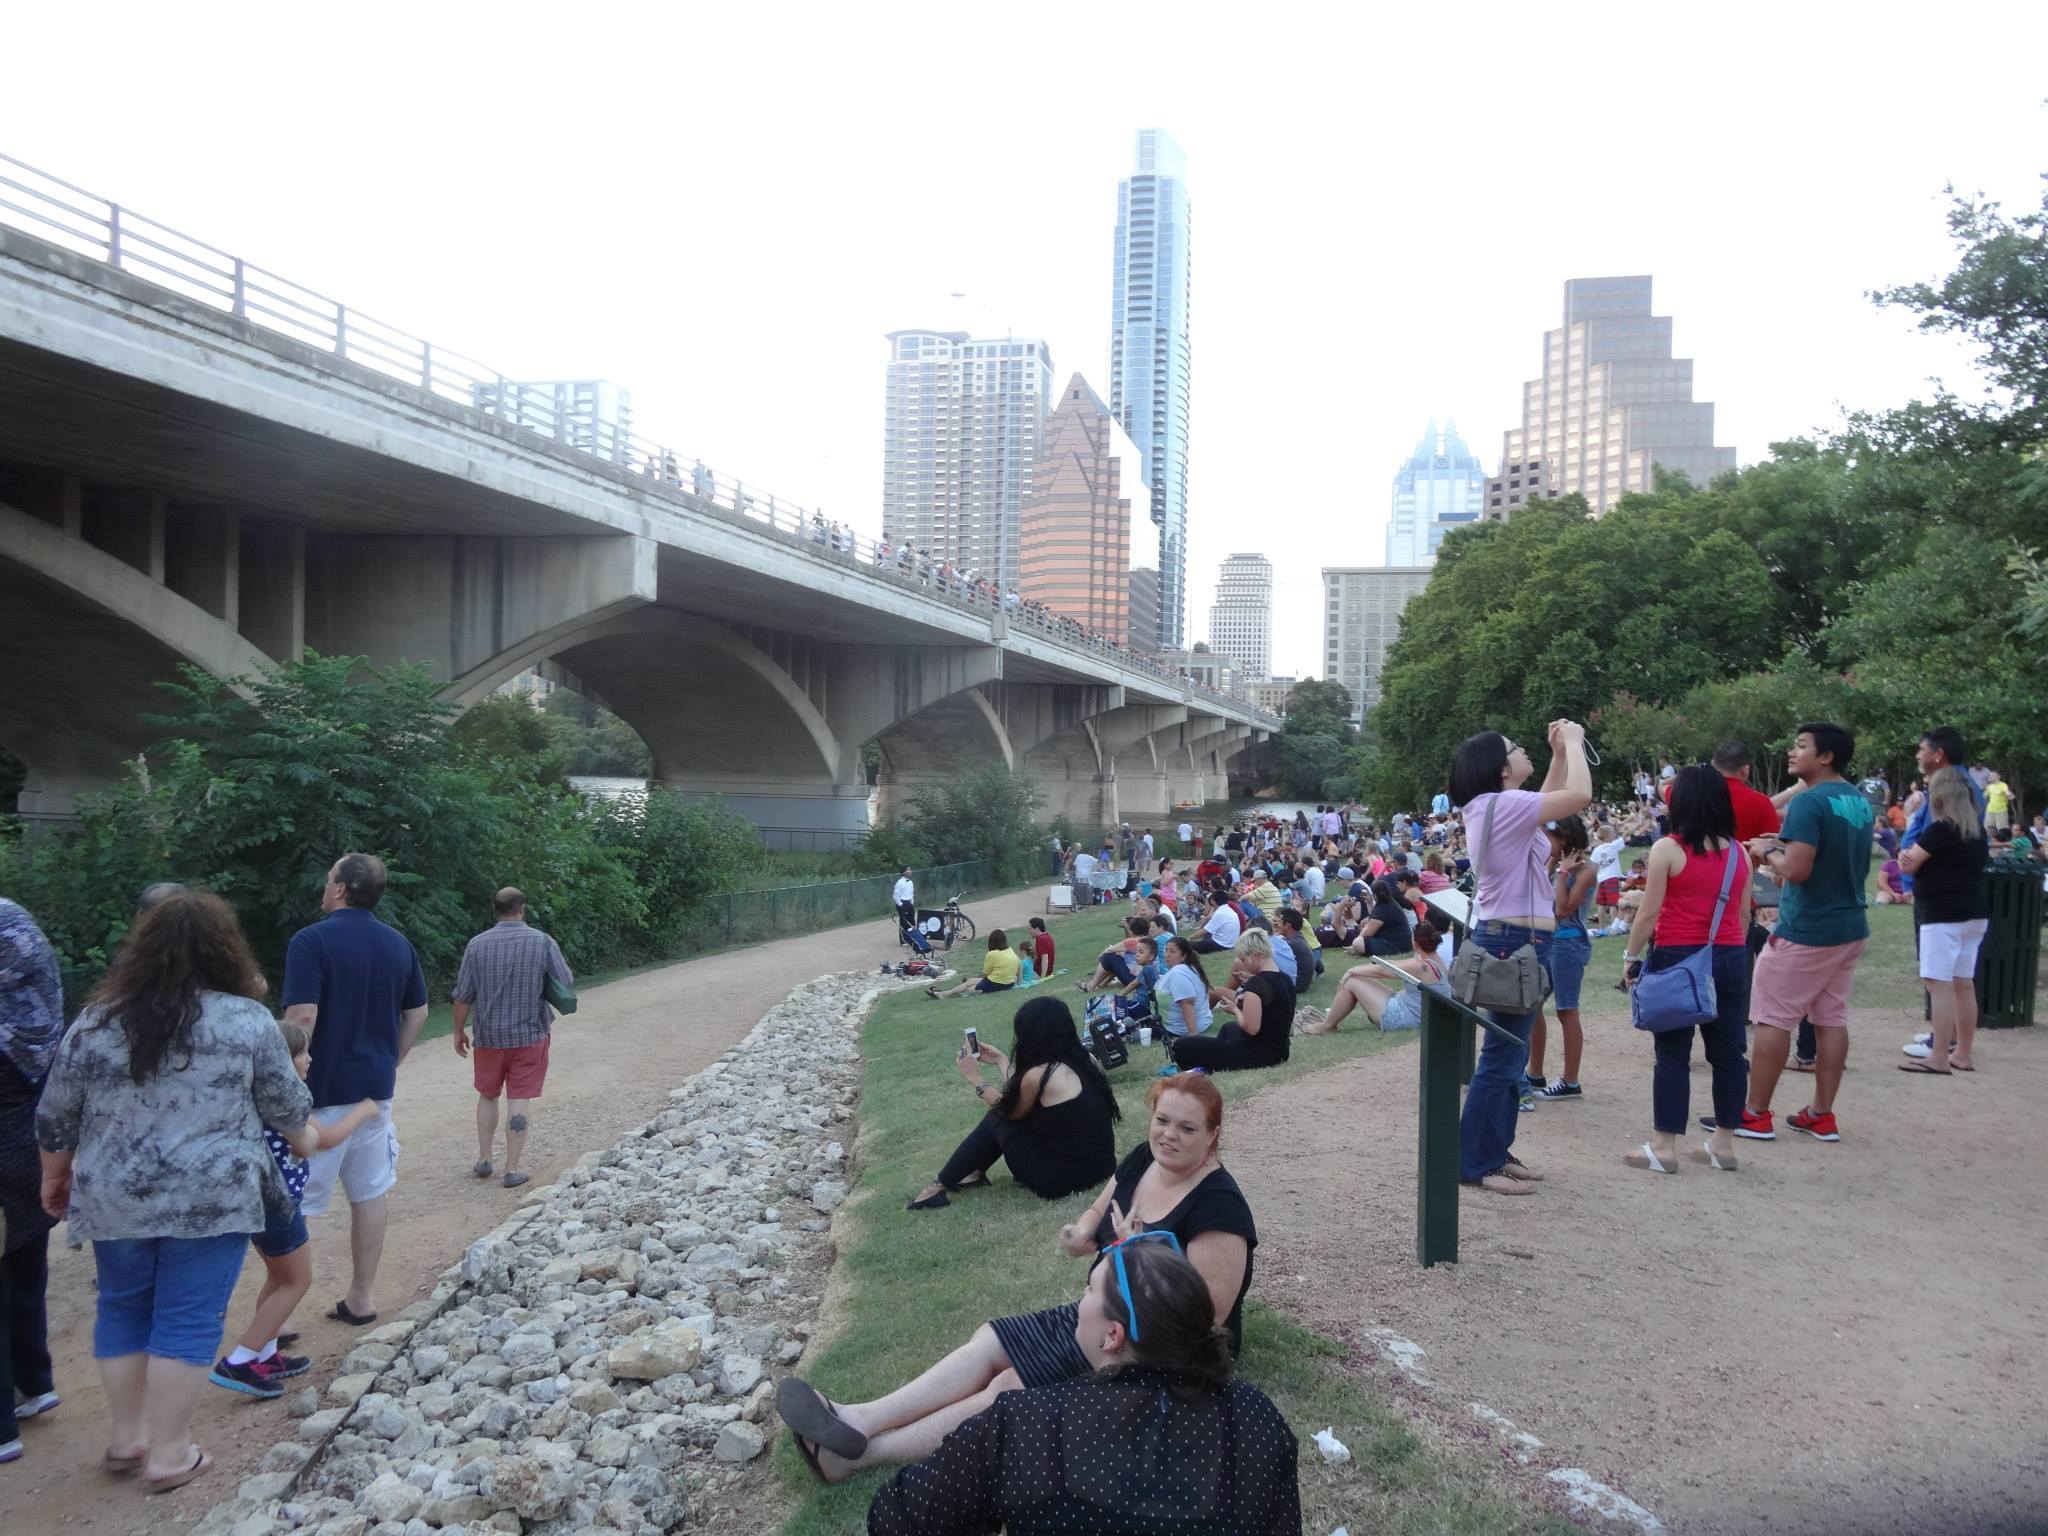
1441,486
1148,354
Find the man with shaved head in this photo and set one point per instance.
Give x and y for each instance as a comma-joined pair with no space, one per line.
504,970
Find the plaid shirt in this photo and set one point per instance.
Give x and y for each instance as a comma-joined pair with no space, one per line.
501,978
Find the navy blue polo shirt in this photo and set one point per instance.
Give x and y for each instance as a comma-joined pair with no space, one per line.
361,973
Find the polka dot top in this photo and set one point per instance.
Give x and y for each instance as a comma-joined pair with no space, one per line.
1104,1456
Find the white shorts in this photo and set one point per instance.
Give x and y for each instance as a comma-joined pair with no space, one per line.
1948,951
366,1164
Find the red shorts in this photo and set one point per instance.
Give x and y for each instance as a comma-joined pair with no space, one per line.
1608,894
517,1073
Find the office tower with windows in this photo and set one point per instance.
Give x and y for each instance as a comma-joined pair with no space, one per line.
1075,531
1361,617
1148,354
961,435
1241,620
1613,404
1440,487
1144,610
1515,487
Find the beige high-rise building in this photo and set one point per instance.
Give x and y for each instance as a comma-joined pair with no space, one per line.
962,434
1074,540
1241,618
1517,484
1613,402
1361,616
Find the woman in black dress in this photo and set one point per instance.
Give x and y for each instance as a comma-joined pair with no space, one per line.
1158,1429
1260,1010
1173,1181
1051,1118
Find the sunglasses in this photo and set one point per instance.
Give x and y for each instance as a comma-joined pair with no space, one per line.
1123,1280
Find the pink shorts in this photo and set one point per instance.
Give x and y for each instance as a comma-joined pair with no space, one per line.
517,1073
1803,981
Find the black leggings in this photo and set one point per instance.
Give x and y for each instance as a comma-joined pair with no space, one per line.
1232,1050
1208,946
1032,1163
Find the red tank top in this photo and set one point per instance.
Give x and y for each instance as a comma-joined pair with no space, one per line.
1690,894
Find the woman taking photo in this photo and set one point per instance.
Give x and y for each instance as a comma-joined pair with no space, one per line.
1183,995
151,1131
1686,873
1173,1181
1160,1407
1573,883
1051,1113
1389,1004
1947,863
1260,1011
1512,903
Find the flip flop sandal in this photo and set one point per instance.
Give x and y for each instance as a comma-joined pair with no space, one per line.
341,1314
1647,1160
1954,1068
809,1417
1705,1154
1505,1183
200,1462
1799,1064
120,1464
1921,1069
1515,1168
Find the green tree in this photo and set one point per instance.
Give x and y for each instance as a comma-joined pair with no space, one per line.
1320,707
506,729
986,812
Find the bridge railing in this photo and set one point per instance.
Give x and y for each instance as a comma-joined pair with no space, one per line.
77,220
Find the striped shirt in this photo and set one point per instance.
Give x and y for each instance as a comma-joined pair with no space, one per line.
501,976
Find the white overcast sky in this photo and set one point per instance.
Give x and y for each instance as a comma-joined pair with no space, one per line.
724,209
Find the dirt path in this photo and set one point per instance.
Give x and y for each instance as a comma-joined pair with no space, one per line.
613,1064
1840,1337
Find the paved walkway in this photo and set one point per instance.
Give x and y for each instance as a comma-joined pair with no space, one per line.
613,1064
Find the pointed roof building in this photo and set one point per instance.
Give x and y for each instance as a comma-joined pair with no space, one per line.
1074,544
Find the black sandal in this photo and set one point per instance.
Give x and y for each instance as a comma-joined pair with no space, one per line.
803,1408
341,1314
979,1181
936,1202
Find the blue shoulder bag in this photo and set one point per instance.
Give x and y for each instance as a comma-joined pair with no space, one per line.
1682,995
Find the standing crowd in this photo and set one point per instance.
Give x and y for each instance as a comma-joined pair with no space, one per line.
175,1123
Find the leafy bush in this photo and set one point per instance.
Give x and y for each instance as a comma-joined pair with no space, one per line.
984,813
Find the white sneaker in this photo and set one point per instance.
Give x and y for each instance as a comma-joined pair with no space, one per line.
1919,1050
29,1407
1925,1037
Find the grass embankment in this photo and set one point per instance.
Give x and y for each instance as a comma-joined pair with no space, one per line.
918,1284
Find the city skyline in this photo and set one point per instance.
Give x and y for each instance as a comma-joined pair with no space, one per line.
737,285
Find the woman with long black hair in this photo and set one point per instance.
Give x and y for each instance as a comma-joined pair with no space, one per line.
1513,907
1050,1117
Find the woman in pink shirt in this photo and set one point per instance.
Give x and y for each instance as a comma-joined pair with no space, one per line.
1512,907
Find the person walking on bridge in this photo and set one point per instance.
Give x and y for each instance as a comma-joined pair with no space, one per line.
504,972
354,985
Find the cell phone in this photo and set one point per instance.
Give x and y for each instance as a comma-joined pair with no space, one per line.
973,1047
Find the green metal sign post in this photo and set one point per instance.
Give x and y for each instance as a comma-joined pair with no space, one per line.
1449,1037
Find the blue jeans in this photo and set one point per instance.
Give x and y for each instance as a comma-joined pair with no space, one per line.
165,1295
1486,1130
1721,1037
1570,953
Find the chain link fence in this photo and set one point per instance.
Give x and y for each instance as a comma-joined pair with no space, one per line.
751,917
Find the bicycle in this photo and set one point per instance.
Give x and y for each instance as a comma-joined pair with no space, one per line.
955,925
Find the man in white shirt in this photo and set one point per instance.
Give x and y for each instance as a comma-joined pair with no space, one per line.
1186,834
1220,931
905,897
1145,847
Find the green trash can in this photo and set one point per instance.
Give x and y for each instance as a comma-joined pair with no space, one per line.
2009,966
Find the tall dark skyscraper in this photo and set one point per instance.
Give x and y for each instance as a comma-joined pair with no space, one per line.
1148,354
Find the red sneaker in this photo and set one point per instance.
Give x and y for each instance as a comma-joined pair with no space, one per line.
1819,1127
1755,1127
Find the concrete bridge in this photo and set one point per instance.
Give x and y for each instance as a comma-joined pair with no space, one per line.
181,483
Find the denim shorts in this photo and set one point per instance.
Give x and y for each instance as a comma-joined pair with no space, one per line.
279,1238
165,1296
1570,953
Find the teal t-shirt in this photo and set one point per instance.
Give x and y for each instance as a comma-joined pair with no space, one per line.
1828,909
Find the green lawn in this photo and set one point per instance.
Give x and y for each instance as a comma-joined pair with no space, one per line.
919,1284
